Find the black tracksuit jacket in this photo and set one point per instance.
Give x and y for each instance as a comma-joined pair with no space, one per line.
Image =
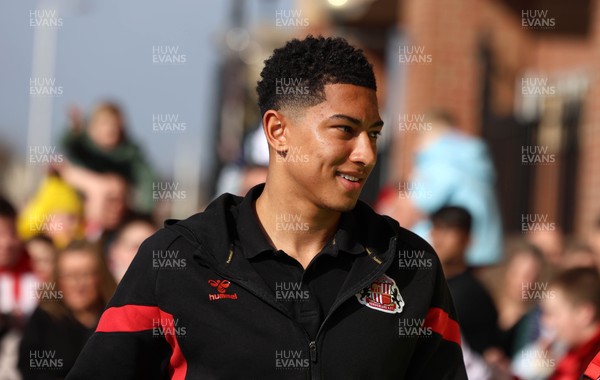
192,307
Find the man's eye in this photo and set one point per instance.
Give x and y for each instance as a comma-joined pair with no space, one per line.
375,134
345,128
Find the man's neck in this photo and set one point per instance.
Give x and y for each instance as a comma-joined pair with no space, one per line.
293,225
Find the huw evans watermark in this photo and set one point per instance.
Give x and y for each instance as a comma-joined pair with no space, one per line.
536,155
290,359
537,19
413,54
536,222
413,328
44,86
408,122
45,18
290,223
168,55
166,190
290,18
44,360
167,122
290,291
414,259
167,259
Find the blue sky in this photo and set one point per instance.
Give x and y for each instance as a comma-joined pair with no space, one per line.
104,50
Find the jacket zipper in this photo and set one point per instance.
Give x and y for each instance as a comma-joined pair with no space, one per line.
312,344
384,267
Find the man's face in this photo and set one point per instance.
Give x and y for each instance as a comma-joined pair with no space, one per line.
332,147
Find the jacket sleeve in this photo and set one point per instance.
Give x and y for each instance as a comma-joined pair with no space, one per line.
439,356
127,343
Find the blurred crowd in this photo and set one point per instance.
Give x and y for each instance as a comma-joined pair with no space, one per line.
529,305
64,251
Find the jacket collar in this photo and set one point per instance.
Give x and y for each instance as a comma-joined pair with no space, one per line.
253,239
214,233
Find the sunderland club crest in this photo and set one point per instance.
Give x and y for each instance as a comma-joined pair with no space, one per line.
382,295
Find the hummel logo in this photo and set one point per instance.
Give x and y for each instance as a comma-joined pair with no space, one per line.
221,286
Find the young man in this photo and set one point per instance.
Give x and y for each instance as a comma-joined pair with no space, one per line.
297,280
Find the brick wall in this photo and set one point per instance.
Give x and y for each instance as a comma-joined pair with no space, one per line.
589,180
451,30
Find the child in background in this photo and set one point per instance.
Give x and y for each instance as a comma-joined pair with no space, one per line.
573,314
55,210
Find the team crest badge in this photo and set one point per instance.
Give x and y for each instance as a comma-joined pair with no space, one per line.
382,295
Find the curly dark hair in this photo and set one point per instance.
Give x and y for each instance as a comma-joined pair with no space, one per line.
309,65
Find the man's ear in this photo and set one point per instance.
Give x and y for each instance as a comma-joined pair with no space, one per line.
274,126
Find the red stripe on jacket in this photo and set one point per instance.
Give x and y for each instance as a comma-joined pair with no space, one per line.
440,322
134,318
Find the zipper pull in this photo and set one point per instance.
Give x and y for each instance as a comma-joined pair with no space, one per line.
312,346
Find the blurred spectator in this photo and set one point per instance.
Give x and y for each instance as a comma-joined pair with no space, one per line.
68,313
109,209
478,317
552,245
55,210
453,168
42,254
579,255
16,279
106,200
17,284
573,313
104,147
126,243
519,316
